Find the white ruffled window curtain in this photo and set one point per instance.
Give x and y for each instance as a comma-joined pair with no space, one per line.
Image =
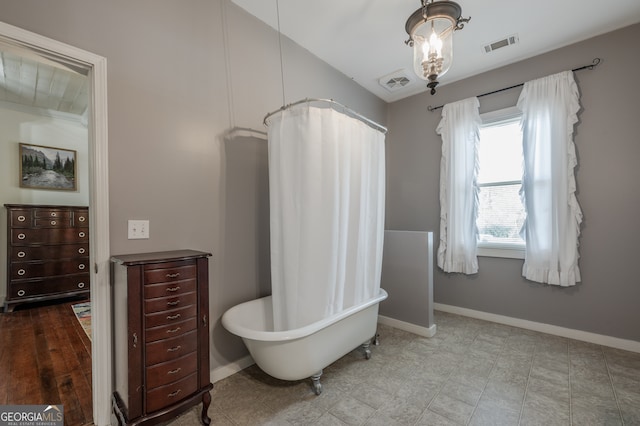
552,227
460,131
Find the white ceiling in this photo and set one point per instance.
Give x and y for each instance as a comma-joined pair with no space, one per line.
364,39
35,81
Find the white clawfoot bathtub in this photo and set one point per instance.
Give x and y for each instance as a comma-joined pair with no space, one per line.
302,352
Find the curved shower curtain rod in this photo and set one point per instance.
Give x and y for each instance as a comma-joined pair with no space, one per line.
333,103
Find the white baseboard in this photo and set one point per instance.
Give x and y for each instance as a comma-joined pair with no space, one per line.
225,371
599,339
406,326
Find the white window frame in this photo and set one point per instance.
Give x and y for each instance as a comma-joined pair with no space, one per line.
492,249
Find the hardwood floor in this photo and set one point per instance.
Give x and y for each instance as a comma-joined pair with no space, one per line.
45,358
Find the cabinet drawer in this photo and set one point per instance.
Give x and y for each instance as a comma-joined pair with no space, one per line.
81,218
63,251
20,218
52,213
24,270
168,349
170,330
49,236
171,371
152,276
52,223
170,317
34,288
169,289
171,302
167,395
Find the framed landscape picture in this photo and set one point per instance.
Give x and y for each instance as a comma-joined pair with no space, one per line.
46,167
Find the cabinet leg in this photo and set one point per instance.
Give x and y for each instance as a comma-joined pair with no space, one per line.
206,401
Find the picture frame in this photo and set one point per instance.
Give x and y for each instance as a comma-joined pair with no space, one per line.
47,167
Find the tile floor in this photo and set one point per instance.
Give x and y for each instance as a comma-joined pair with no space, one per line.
471,373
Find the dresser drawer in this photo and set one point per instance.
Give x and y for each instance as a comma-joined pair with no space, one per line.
52,213
20,218
25,270
34,288
171,302
162,275
171,371
167,395
168,349
53,223
170,330
169,289
170,317
20,237
81,218
47,252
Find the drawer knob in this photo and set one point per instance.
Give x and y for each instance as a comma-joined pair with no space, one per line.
81,234
21,272
53,222
54,214
173,317
81,266
173,289
80,285
21,254
21,292
176,275
174,393
21,236
81,250
177,370
21,218
173,302
175,348
174,330
81,219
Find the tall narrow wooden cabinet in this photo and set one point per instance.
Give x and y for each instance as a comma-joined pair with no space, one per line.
161,335
47,253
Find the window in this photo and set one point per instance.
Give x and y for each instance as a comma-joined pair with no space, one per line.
500,209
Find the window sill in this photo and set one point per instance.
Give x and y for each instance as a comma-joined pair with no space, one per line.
501,250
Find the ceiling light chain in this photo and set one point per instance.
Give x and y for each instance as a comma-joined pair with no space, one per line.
430,30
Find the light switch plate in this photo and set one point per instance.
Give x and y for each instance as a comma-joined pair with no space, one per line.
138,229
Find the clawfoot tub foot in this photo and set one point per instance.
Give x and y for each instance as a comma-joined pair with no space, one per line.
367,351
317,386
376,340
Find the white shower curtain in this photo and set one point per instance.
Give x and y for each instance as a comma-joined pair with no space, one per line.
326,184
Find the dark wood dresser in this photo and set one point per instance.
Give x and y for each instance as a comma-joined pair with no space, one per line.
161,335
47,253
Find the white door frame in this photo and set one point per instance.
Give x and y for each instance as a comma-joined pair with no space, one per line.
101,355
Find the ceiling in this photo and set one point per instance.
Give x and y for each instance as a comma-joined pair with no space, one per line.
36,81
364,39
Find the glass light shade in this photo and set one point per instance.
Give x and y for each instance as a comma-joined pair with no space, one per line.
430,30
433,48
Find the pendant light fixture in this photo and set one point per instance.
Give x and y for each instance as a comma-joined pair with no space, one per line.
430,30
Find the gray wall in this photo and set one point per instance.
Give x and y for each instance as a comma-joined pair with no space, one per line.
181,76
608,176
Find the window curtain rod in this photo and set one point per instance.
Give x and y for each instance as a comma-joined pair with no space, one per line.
333,104
591,66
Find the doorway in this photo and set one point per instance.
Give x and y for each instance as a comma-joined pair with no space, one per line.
34,45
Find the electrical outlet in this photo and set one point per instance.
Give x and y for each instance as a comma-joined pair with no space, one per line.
138,229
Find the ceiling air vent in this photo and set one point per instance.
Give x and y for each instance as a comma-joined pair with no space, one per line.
395,81
507,41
